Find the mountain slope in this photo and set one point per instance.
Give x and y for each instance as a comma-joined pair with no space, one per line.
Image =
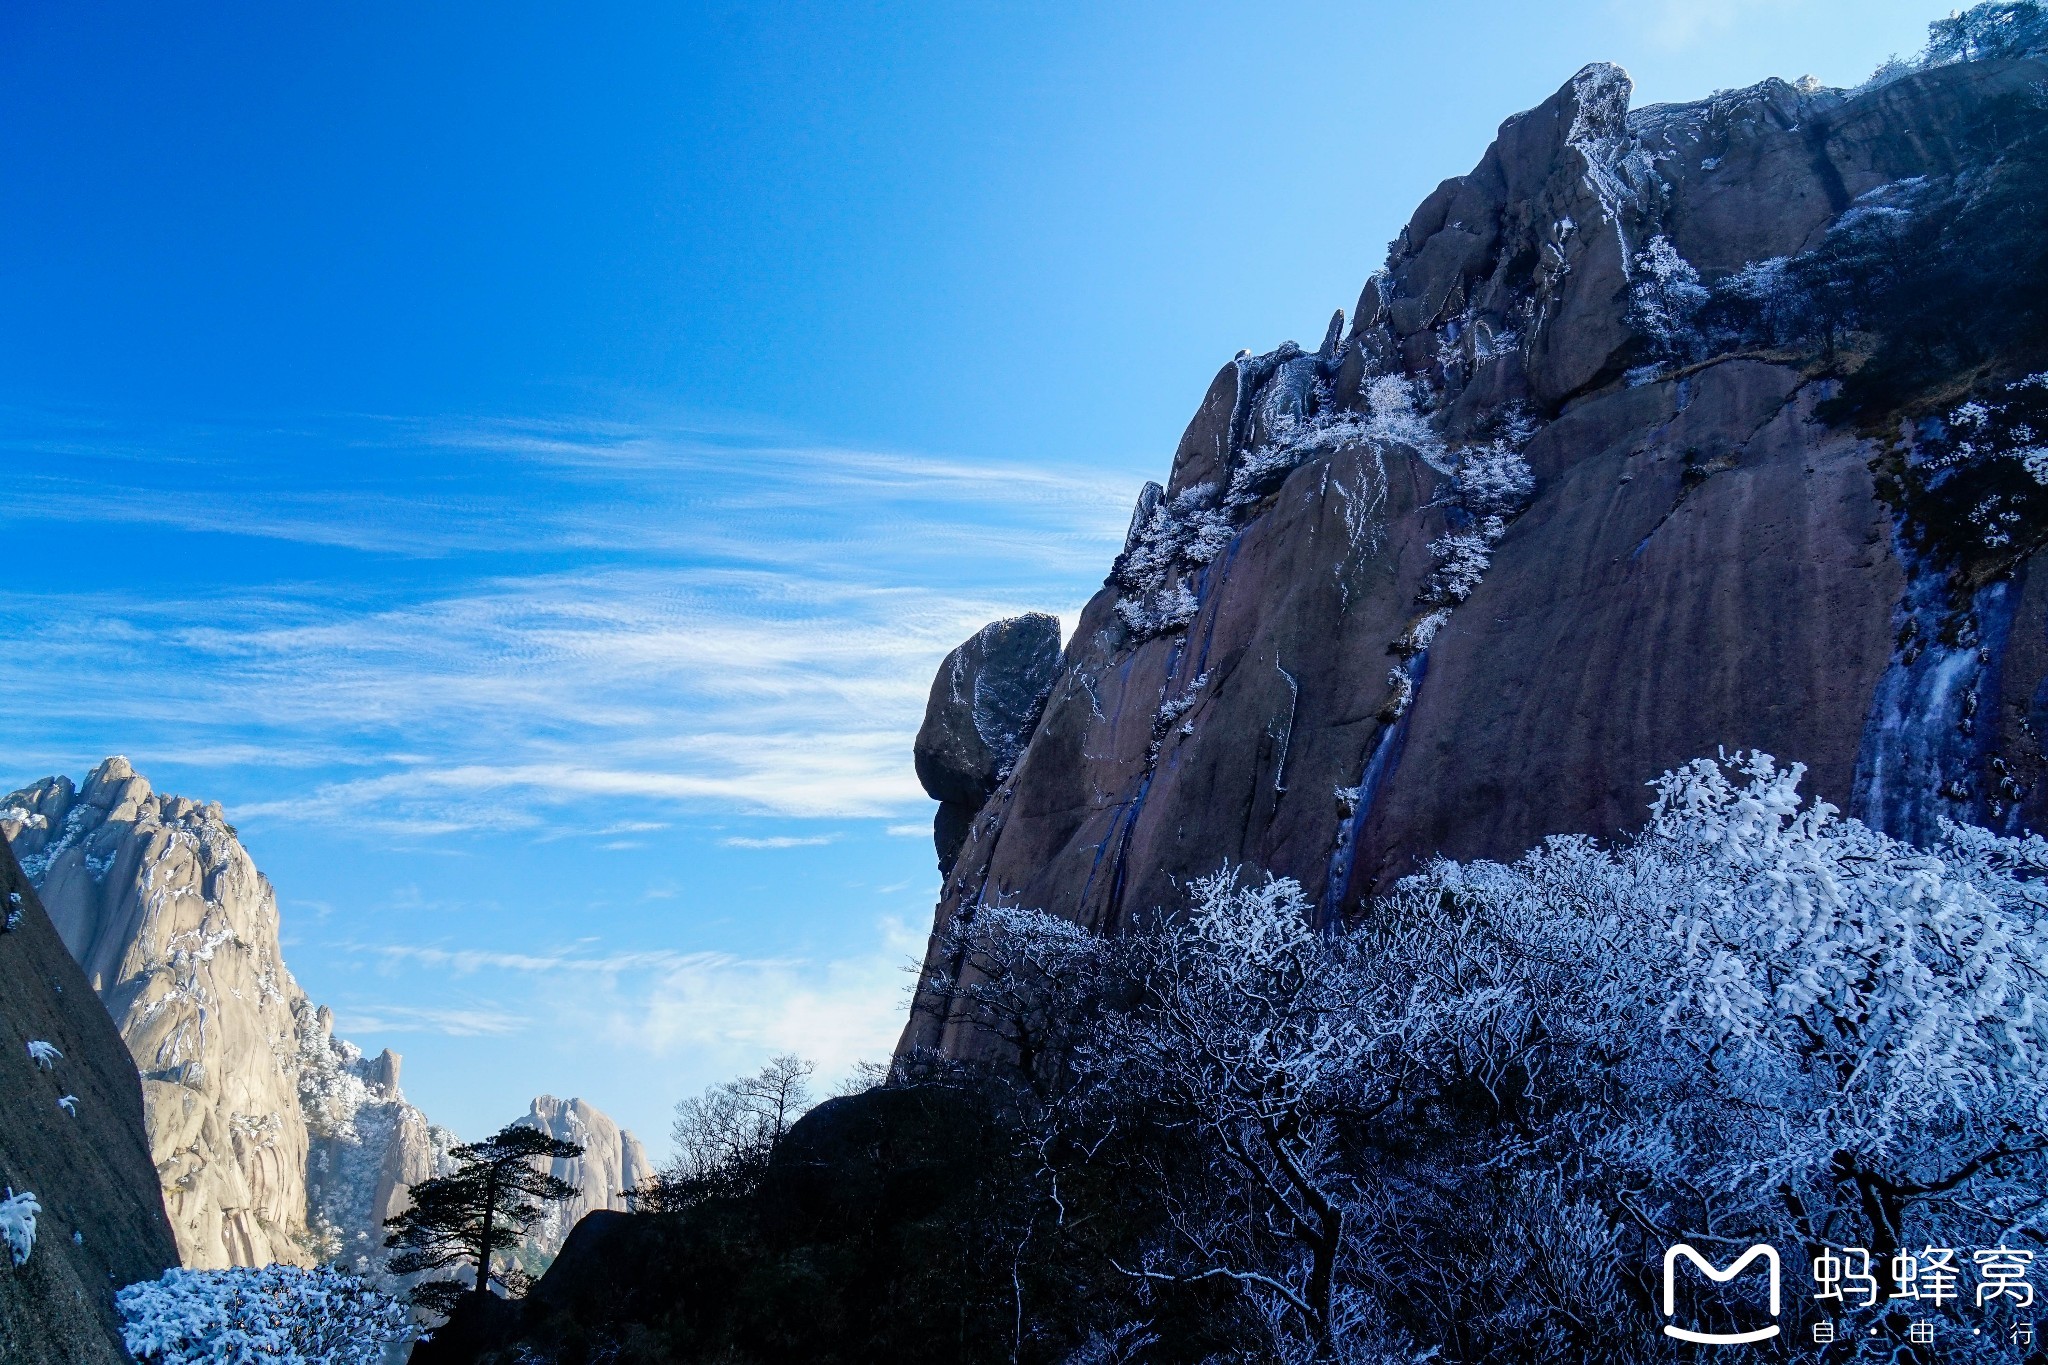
245,1088
1660,431
102,1224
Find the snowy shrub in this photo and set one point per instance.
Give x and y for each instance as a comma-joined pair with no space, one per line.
1461,559
1996,28
18,1223
1394,415
1762,303
1491,483
1665,299
1186,531
1466,1125
42,1053
276,1314
2012,426
1493,480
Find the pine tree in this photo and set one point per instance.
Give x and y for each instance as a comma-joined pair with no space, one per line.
495,1194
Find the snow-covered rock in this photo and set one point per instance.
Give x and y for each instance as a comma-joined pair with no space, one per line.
247,1093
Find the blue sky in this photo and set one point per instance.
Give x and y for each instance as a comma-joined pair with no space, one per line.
527,460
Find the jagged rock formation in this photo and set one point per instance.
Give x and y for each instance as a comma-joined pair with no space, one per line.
367,1146
1662,430
102,1224
984,701
245,1090
613,1165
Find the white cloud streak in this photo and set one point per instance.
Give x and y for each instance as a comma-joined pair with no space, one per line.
723,1011
609,622
451,1022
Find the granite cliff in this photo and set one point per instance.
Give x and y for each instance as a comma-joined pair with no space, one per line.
1662,430
613,1165
273,1140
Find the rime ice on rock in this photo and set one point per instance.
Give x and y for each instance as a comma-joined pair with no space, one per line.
18,1223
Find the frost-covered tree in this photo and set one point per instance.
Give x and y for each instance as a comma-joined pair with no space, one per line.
494,1195
1242,1028
725,1136
277,1314
1877,1013
1031,982
18,1224
1266,1039
1758,1021
1471,1123
1665,298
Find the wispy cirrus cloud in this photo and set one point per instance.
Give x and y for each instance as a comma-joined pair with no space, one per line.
607,619
453,1022
507,677
435,489
661,1003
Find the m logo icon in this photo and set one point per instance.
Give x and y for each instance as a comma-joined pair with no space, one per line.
1770,1258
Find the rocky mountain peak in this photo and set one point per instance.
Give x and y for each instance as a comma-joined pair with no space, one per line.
273,1140
612,1166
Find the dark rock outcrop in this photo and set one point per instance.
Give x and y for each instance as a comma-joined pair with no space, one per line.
1645,442
102,1224
984,701
828,1259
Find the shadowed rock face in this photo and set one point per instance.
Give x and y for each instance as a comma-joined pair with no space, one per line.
984,701
273,1140
102,1224
1590,487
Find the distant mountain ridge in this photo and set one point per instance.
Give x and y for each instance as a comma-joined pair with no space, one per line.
612,1166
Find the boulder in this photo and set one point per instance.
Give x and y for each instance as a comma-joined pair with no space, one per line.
983,705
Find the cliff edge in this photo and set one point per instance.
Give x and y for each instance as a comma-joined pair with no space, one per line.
1661,431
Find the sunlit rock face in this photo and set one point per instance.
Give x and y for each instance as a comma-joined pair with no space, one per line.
612,1166
245,1089
1661,431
